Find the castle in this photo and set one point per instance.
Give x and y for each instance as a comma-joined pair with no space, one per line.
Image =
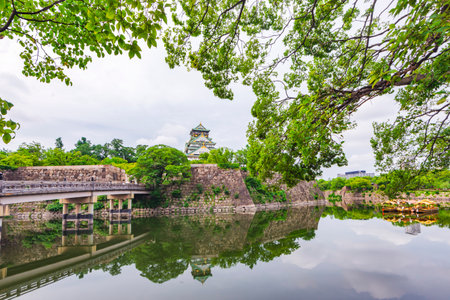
199,143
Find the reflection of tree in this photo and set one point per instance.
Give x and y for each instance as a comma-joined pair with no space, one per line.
49,233
175,241
160,262
261,221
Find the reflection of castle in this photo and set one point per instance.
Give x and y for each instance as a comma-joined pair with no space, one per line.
201,269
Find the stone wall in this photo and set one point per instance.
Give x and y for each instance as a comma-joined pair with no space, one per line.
303,191
233,191
206,177
100,173
349,197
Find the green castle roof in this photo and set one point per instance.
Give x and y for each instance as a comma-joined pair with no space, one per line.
200,127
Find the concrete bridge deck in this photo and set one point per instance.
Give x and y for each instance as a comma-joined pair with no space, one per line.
29,191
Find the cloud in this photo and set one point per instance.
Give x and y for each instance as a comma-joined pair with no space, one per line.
310,256
378,285
161,139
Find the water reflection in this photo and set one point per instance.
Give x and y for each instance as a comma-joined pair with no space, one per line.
364,258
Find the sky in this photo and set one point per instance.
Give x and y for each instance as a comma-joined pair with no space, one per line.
143,101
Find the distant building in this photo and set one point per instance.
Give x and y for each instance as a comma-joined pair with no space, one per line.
199,143
359,173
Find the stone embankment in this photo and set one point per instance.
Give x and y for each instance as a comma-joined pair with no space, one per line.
350,197
100,173
210,189
213,187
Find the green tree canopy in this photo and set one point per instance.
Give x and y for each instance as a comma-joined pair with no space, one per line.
162,164
312,64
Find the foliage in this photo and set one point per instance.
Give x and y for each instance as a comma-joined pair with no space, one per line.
394,183
55,207
333,198
199,188
7,127
337,183
59,35
359,184
176,193
312,65
161,165
262,193
224,158
84,153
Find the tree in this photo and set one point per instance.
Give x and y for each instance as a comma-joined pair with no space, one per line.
84,146
312,64
359,184
337,183
160,165
220,156
58,143
60,34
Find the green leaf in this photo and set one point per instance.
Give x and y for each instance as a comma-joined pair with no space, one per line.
442,100
110,14
6,138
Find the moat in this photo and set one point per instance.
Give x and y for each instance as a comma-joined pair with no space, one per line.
312,252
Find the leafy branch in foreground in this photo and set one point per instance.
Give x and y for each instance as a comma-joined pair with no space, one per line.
58,35
312,64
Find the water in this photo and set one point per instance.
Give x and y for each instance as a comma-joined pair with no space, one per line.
307,253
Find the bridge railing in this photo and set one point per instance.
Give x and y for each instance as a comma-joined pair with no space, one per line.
9,188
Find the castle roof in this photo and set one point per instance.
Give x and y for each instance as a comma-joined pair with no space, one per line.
200,127
201,139
199,151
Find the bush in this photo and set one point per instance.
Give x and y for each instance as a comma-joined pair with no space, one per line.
55,207
236,196
333,198
216,190
199,188
99,205
176,193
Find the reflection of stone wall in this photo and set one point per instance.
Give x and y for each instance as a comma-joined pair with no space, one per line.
100,173
296,218
209,235
16,251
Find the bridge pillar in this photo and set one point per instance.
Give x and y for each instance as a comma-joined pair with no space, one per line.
120,205
91,213
120,211
4,210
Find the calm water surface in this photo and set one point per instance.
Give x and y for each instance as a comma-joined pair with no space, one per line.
307,253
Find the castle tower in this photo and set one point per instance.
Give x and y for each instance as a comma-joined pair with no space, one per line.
199,143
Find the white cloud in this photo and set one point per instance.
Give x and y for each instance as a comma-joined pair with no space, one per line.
160,139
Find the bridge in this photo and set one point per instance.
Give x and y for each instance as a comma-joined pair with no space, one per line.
76,193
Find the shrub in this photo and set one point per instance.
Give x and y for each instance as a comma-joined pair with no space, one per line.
236,196
199,188
55,207
176,193
99,205
334,198
216,190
